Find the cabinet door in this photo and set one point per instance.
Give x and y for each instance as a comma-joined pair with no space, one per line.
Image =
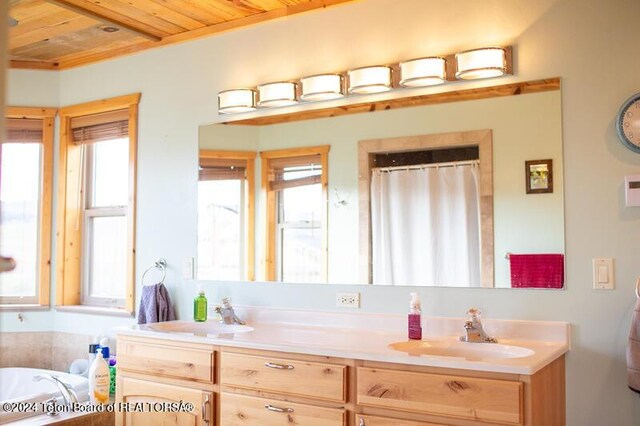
145,403
242,410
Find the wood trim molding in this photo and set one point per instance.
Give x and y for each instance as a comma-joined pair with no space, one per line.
103,105
30,112
69,213
366,149
511,89
270,204
47,116
250,175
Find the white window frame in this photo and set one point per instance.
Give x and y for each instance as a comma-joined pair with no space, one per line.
282,225
89,213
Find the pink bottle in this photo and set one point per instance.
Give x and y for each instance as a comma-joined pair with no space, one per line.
415,320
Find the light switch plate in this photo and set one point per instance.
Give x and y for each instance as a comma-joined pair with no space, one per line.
603,274
187,268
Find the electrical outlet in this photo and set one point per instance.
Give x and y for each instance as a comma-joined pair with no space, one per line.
348,300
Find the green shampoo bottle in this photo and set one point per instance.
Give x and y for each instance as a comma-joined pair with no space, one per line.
200,307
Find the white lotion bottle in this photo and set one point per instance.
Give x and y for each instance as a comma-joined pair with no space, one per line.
99,380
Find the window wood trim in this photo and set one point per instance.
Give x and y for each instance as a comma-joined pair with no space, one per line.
368,148
269,197
47,115
249,157
70,200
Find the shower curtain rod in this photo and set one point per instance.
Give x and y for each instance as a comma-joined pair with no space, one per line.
426,166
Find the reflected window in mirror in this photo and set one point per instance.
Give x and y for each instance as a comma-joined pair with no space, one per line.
226,215
429,215
295,184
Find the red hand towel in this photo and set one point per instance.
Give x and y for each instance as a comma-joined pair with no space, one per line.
537,270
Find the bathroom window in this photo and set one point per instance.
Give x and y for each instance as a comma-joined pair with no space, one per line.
295,182
106,183
97,204
226,215
26,162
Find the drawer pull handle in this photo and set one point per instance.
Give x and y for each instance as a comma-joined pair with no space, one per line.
361,422
278,409
278,366
205,411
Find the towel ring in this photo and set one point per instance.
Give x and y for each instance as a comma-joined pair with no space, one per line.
638,288
159,264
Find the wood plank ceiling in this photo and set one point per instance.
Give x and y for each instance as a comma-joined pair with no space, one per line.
61,34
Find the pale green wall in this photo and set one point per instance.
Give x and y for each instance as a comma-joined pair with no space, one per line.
524,128
590,44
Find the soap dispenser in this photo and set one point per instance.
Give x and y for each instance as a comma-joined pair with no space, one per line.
200,307
415,318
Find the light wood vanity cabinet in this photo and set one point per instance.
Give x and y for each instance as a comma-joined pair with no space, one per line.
236,387
157,372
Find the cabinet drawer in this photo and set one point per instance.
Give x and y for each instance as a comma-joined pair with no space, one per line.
241,410
285,376
498,401
167,359
362,420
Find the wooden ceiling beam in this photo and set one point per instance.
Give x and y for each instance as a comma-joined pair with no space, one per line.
99,13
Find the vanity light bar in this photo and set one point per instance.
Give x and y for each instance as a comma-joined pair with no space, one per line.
374,79
281,93
236,100
486,62
423,72
321,87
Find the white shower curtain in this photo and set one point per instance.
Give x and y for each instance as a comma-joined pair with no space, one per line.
425,225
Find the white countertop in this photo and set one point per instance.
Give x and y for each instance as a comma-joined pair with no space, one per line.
367,336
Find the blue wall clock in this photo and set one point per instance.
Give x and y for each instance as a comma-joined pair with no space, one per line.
628,123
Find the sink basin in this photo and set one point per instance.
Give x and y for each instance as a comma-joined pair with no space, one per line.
454,348
197,328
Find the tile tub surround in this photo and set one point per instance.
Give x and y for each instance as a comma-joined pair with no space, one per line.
47,350
367,336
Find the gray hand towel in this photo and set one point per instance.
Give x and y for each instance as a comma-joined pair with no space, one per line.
633,351
155,305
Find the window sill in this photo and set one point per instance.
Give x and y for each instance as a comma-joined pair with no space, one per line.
94,310
23,307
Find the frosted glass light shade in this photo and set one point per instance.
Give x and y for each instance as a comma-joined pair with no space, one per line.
236,100
277,94
373,79
422,72
321,87
481,63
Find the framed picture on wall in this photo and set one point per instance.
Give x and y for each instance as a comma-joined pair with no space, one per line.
539,176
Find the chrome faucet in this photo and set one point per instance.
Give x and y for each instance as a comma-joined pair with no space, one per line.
227,313
473,327
68,394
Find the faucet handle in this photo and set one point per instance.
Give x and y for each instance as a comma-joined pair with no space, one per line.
474,313
226,301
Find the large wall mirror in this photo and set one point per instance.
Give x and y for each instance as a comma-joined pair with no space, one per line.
465,194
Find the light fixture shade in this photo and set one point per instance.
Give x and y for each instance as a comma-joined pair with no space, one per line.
373,79
481,63
321,87
277,94
423,72
236,100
